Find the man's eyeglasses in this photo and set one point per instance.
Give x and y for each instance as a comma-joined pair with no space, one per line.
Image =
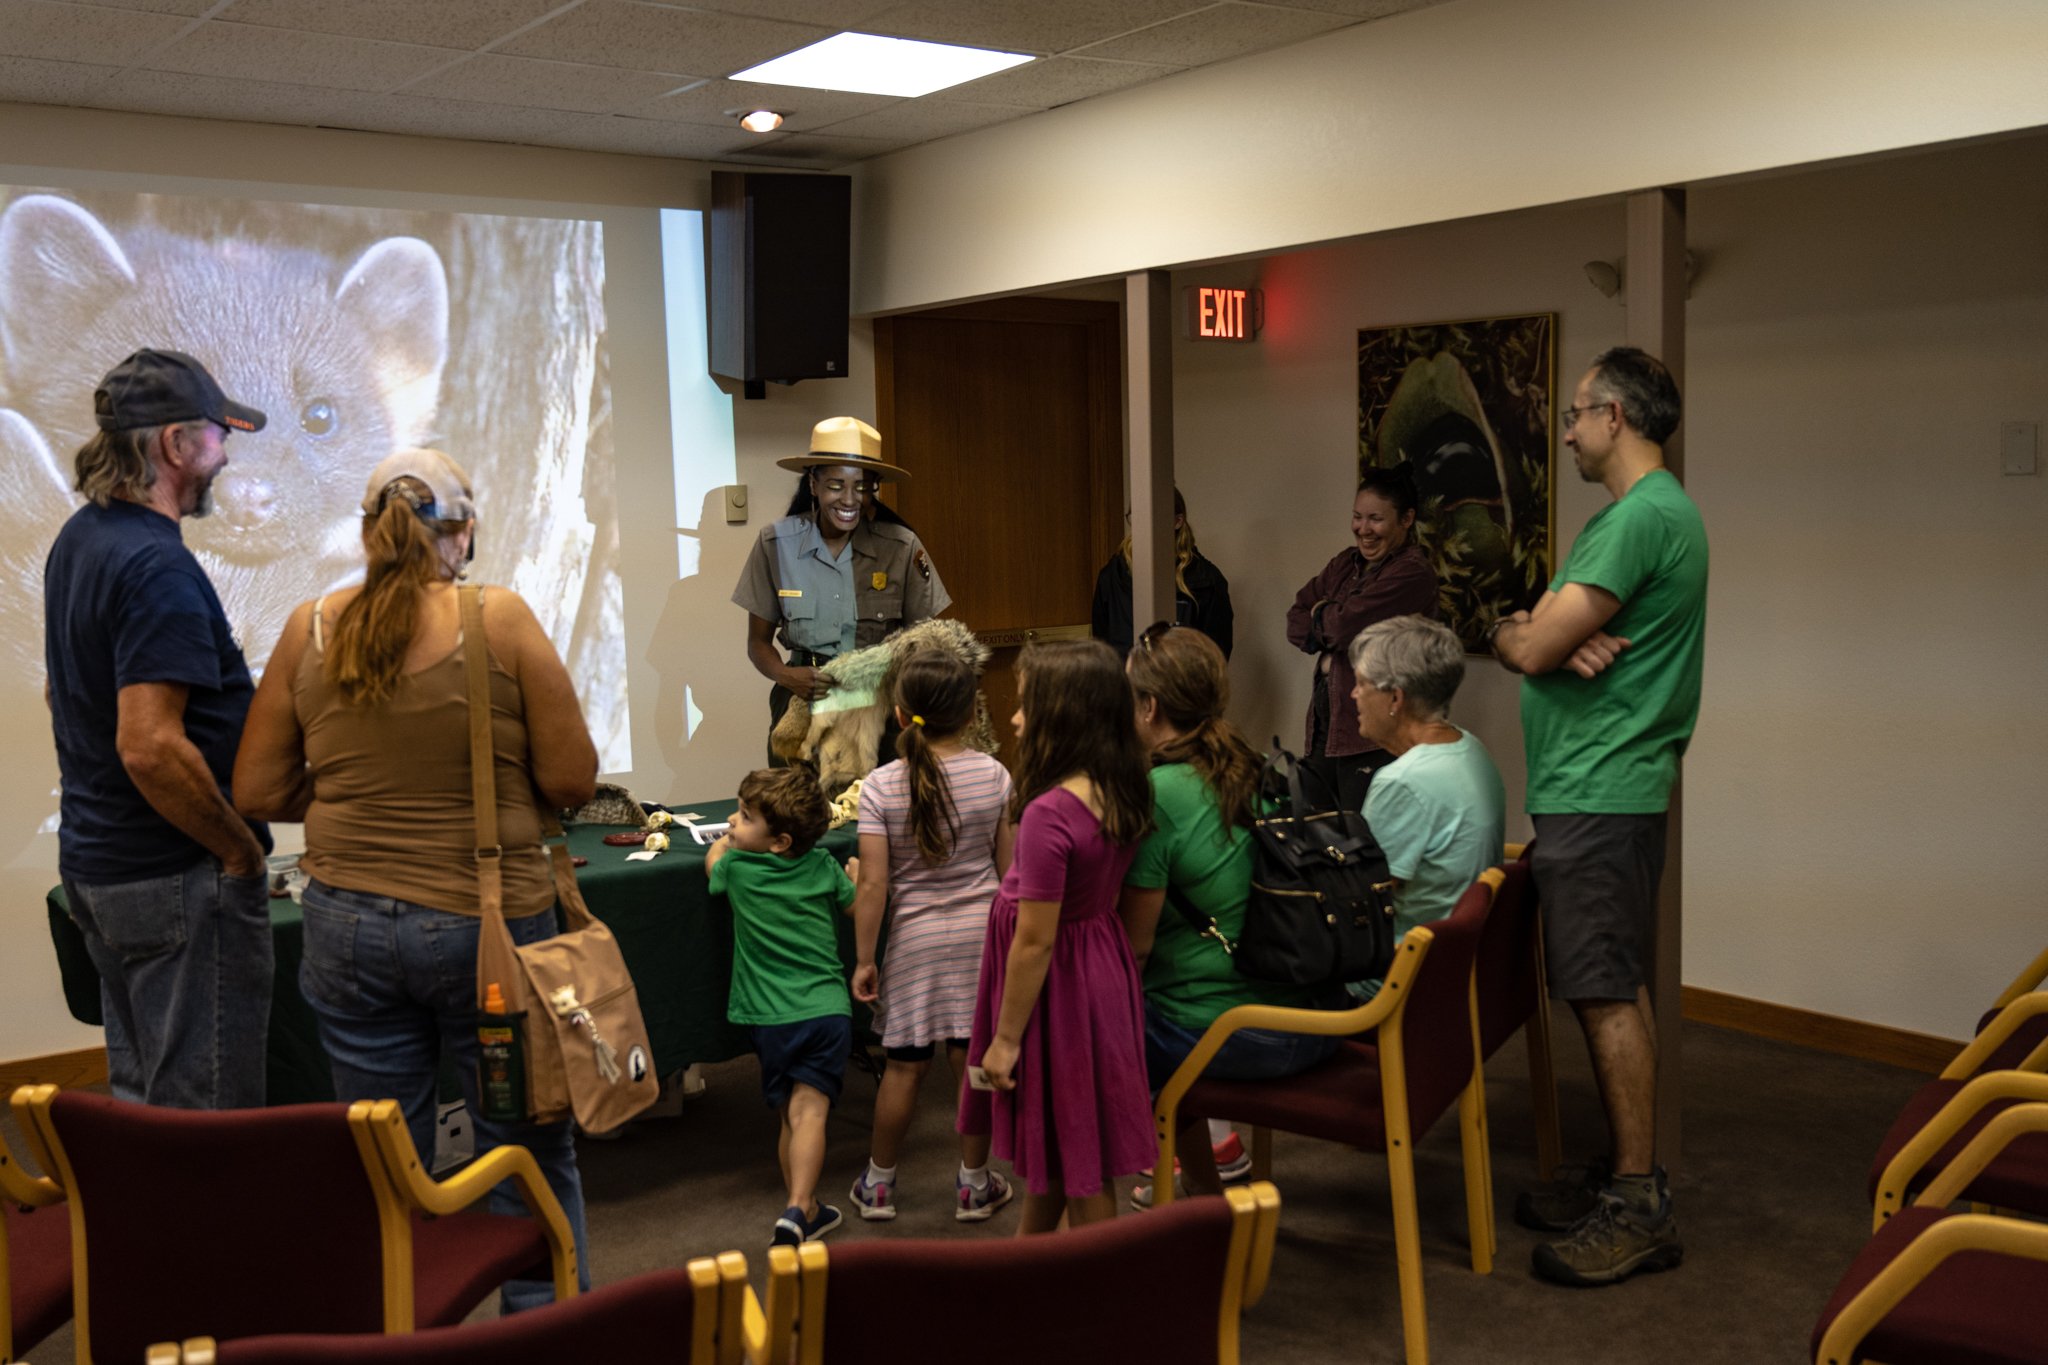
1569,417
1153,632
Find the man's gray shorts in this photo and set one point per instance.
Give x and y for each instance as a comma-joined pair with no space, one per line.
1597,876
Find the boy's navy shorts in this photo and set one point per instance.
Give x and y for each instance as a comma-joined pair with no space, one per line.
812,1051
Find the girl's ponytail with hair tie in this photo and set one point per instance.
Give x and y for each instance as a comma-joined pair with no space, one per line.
918,721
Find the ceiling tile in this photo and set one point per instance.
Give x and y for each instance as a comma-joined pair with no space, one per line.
1218,34
165,92
423,116
816,151
1364,9
191,8
801,109
643,137
640,37
1043,26
82,33
524,81
833,14
467,24
1057,80
925,119
242,51
27,80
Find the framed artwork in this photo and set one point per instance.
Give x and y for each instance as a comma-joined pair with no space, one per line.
1468,407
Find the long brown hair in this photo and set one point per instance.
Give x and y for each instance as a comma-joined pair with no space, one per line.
116,464
1182,670
1078,719
1183,545
937,690
367,653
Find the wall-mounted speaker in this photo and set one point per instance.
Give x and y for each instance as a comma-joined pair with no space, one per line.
780,276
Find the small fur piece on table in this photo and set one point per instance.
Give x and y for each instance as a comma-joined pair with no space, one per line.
612,805
842,744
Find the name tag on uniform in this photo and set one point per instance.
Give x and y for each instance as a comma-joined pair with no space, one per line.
789,592
880,580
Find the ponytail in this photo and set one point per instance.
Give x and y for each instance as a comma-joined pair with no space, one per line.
1182,670
1227,765
937,690
371,637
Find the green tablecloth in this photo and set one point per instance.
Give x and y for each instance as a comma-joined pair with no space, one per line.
675,935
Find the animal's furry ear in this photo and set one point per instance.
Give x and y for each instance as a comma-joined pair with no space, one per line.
57,261
399,291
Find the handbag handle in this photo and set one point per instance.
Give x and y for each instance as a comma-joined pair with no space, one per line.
496,957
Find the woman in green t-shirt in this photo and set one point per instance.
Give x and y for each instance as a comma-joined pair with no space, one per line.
1205,781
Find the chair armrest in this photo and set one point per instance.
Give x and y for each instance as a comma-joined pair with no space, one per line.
769,1331
1981,1150
407,1179
1513,853
1262,1199
1920,1258
29,1103
1936,1133
733,1298
2030,979
163,1353
1393,995
2011,1015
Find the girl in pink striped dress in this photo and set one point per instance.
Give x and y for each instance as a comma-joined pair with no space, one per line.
934,844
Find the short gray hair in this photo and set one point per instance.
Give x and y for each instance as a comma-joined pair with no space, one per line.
1420,658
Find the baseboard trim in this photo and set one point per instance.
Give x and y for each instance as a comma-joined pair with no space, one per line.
1821,1032
66,1070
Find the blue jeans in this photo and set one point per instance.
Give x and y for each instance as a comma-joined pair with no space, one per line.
393,985
1251,1054
185,963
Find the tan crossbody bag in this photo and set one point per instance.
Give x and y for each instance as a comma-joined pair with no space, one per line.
585,1044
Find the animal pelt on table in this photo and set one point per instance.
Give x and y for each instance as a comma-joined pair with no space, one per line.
612,805
842,744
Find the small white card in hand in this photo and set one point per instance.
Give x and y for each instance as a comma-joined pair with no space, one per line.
645,855
705,834
978,1079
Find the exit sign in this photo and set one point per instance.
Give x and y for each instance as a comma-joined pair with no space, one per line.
1215,313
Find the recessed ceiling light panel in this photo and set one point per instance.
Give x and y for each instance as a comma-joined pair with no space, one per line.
872,65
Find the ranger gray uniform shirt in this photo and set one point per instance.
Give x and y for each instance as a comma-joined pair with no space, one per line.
881,581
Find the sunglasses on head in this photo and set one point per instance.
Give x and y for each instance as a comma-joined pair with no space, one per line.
1153,632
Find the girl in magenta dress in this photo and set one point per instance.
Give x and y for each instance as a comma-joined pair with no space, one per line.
1059,1014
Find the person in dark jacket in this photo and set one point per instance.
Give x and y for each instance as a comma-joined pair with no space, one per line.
1381,575
1201,594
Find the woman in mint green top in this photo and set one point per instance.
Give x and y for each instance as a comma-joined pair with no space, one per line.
1204,791
1439,810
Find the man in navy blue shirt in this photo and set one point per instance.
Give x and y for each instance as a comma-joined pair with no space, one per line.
148,691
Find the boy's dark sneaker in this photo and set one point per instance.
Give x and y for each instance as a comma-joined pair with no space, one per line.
1611,1243
793,1229
1559,1205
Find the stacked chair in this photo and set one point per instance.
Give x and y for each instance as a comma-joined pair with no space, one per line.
1959,1288
35,1256
1076,1298
304,1218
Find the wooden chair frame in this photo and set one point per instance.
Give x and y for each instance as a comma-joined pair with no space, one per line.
1384,1013
20,1188
716,1293
1536,1038
2029,979
398,1182
790,1325
1962,1232
2013,1011
1938,1131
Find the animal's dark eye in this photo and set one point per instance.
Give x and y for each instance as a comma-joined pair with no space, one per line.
319,417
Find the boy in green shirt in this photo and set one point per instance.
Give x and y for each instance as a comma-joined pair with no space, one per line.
787,982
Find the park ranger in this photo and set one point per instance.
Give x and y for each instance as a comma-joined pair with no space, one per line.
830,581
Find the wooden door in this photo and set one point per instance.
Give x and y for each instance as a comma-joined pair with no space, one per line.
1009,417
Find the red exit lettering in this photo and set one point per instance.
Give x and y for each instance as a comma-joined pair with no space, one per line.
1220,314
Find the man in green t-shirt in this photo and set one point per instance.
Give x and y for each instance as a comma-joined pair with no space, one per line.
788,985
1611,660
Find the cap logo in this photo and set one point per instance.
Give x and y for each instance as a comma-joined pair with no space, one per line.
238,423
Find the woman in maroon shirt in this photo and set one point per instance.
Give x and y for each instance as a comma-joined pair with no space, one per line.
1382,574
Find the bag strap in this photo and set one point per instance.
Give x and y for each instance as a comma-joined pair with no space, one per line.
497,959
1203,925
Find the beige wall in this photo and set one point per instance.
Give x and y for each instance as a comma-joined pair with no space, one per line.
1461,109
1871,768
676,633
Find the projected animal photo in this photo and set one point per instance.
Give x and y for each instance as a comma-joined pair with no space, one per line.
1467,406
357,331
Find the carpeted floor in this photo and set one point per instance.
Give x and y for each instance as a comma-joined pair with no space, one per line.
1770,1202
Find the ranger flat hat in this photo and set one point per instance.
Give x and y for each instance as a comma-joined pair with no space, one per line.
846,441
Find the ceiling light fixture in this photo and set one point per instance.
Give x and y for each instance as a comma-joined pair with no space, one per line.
869,64
760,120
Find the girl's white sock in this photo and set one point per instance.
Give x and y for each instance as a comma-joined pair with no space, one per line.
977,1176
880,1175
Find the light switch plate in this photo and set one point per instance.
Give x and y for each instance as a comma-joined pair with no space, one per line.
735,502
2019,445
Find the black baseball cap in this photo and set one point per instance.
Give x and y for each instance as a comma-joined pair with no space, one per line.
157,388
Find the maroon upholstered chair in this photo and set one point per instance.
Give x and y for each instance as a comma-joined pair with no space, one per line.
35,1255
666,1317
1168,1285
1507,977
250,1222
2031,1033
1384,1095
1934,1288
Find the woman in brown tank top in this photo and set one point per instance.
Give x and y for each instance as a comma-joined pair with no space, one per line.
360,728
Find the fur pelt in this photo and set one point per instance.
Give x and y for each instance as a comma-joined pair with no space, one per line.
842,744
612,805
